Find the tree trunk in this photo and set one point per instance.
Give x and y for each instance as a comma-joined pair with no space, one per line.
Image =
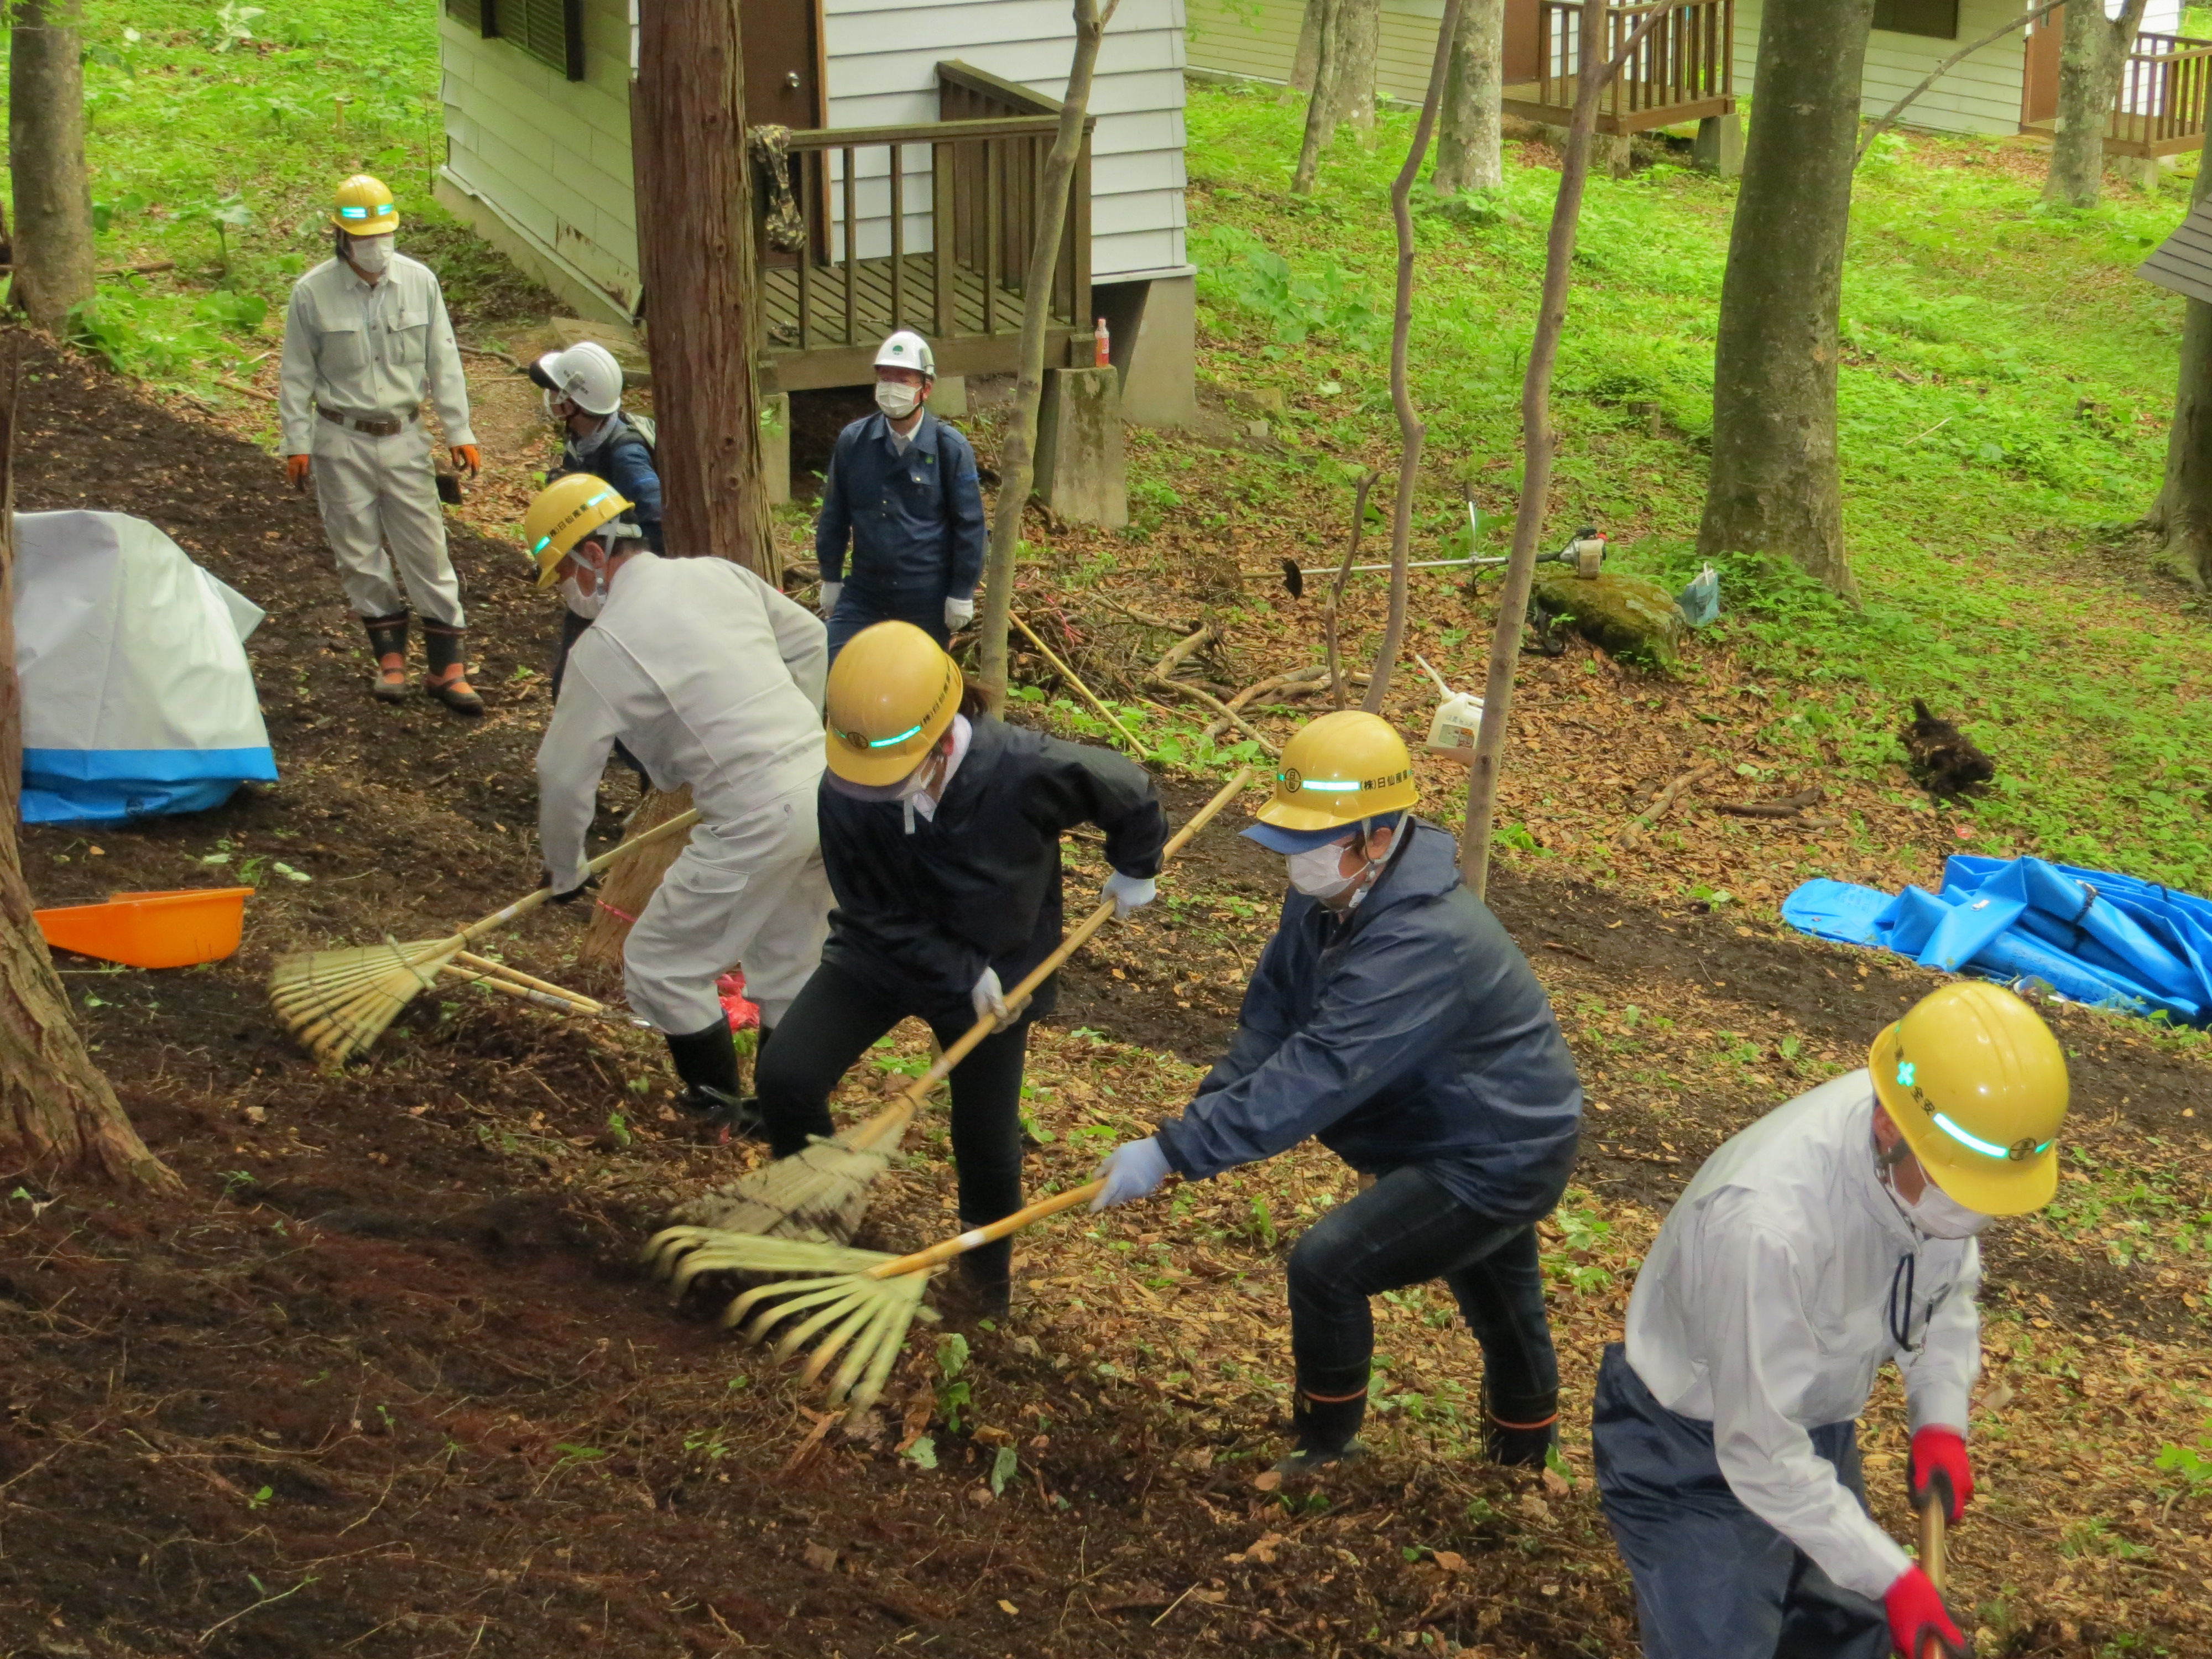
1536,444
2091,60
1469,144
695,240
1017,447
1311,26
1343,82
1774,486
57,1111
1412,430
2183,512
53,251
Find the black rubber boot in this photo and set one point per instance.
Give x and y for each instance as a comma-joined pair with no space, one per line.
1517,1433
448,679
1325,1429
987,1280
707,1061
387,643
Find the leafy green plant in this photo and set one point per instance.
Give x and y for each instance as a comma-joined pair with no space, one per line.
228,215
954,1392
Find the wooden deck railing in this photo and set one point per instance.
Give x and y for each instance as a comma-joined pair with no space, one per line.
928,225
1685,60
2160,107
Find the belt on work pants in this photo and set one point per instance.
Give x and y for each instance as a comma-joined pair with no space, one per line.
389,429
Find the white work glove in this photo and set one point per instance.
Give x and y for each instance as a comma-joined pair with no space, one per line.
1129,892
990,998
830,592
1135,1170
958,613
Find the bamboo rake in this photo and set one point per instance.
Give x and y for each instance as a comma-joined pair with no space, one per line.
1932,1561
338,1002
821,1193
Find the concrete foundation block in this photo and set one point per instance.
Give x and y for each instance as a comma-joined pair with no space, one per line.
775,446
1719,147
1081,472
948,397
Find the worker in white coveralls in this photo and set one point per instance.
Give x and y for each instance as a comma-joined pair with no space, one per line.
366,340
712,679
1836,1233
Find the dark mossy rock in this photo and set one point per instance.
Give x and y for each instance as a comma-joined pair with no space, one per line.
1631,617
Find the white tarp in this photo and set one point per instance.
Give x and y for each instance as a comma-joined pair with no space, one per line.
137,698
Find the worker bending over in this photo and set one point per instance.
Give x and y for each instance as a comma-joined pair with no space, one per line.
901,488
366,340
583,393
1836,1233
712,679
941,828
1391,1017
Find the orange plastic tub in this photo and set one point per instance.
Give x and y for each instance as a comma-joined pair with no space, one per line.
171,929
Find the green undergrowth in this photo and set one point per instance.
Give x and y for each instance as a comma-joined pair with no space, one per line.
2005,385
216,133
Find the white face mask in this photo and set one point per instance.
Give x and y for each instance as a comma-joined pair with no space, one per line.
370,254
583,604
1939,1215
897,400
1316,874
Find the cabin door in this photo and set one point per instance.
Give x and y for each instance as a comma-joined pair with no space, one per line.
783,41
2038,91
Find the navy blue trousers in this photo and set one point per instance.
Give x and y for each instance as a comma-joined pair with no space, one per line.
1406,1229
856,610
1713,1581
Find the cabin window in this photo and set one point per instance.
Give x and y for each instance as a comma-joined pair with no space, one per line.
1937,19
552,30
477,14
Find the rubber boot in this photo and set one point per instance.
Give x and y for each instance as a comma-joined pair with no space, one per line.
448,678
387,643
1518,1433
987,1279
1325,1428
707,1061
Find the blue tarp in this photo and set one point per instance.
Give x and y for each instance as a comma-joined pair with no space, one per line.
2093,936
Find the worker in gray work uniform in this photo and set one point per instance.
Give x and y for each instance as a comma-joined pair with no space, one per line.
366,340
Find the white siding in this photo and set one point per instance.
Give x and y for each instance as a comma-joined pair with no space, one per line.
1259,38
552,157
1981,94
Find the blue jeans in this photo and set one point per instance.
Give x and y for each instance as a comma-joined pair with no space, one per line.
1405,1230
1713,1581
856,610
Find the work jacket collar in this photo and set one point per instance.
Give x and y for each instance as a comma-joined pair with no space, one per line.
924,438
1422,864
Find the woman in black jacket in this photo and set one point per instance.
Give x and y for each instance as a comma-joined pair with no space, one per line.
940,833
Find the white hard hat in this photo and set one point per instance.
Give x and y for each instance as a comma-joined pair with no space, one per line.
907,349
586,374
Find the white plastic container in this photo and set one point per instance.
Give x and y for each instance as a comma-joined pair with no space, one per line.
1458,718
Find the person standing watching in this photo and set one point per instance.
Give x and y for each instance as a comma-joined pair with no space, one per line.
1834,1235
902,491
366,340
1392,1018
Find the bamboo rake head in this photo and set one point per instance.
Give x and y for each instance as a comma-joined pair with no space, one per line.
819,1194
338,1002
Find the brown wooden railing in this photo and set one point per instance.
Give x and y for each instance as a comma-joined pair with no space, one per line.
2162,100
974,177
1686,58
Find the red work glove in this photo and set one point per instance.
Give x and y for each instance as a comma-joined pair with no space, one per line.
296,468
1939,1459
468,457
1918,1620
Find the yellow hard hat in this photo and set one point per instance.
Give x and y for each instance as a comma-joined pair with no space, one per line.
1339,771
364,206
1976,1083
892,691
563,514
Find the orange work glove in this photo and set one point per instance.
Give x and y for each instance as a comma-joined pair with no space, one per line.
296,468
469,457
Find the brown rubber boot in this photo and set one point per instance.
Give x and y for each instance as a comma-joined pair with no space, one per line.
448,678
387,643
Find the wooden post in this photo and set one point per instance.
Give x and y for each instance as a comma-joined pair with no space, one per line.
700,262
57,1110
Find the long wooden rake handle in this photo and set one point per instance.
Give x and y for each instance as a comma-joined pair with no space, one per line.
537,895
892,1120
1932,1561
976,1237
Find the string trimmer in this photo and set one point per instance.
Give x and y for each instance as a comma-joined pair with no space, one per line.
1585,550
820,1194
338,1002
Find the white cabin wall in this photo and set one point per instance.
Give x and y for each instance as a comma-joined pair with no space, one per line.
1980,95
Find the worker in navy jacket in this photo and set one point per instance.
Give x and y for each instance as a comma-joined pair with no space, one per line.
1391,1017
903,490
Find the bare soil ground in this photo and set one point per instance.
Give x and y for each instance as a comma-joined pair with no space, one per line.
385,1380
